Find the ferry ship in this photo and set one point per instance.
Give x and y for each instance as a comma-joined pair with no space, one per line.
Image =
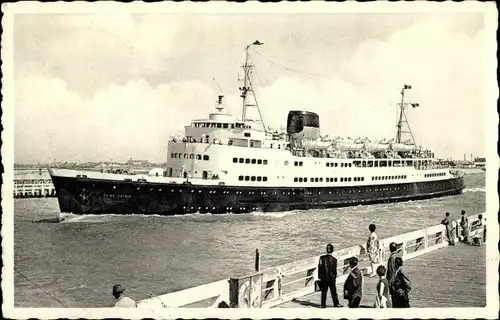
227,165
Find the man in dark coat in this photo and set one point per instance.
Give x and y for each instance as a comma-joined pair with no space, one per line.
327,274
391,263
401,286
353,286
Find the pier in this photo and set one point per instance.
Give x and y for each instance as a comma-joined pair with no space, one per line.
33,188
441,276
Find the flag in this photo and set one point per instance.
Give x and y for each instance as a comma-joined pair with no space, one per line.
257,43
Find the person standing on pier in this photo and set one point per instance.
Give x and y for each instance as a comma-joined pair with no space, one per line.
464,224
382,298
373,249
121,300
391,263
401,286
353,286
327,274
449,229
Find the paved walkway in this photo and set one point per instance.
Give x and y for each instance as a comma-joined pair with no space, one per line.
448,277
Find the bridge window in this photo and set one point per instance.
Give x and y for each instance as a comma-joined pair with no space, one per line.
206,157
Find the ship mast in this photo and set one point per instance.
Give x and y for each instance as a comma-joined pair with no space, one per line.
247,85
402,116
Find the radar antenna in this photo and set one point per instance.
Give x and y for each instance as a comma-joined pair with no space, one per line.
403,121
247,85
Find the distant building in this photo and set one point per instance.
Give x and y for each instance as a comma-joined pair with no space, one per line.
138,163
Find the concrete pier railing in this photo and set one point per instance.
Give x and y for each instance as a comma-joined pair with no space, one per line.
278,285
33,188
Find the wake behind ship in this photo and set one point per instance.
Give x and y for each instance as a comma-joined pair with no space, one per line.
223,164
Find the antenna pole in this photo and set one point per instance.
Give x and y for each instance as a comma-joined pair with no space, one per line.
402,116
247,84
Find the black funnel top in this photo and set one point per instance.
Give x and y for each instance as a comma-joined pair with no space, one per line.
297,120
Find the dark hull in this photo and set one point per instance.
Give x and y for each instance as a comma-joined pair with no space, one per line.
93,196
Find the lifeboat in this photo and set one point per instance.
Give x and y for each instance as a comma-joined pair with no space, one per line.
401,147
315,144
374,146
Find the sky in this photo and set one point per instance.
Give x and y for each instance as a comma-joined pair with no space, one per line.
112,86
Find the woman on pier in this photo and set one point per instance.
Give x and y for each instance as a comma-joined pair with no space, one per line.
373,249
464,223
382,299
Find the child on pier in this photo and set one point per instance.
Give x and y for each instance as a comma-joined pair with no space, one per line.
382,298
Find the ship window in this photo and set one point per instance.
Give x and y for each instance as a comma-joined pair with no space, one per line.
389,163
198,157
259,178
219,125
247,160
305,179
172,155
205,157
264,161
295,179
286,162
254,161
350,165
341,179
232,125
316,179
247,178
357,163
240,178
300,164
301,179
253,178
370,164
341,165
320,179
213,125
336,164
264,178
364,163
375,163
225,126
383,163
235,160
328,164
259,161
246,134
349,180
296,163
335,179
241,160
327,179
362,178
185,155
191,156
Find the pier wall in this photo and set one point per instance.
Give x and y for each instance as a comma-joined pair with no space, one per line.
296,279
33,188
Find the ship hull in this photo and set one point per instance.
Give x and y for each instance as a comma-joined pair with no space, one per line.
102,196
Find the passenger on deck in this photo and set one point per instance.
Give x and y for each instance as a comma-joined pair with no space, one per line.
449,229
373,249
353,286
121,300
327,274
464,224
401,286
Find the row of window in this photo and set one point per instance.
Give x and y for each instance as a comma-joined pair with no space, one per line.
300,179
247,160
190,156
439,174
296,163
335,164
252,178
219,125
389,177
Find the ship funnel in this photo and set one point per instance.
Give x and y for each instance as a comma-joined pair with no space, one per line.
304,124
